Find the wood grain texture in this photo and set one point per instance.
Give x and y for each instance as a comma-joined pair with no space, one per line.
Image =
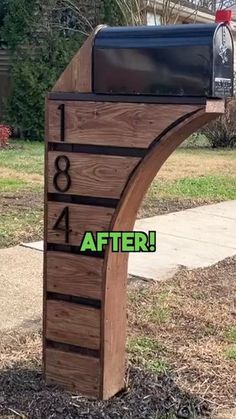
105,178
73,324
82,218
77,77
114,318
93,175
114,297
115,124
74,275
45,234
73,372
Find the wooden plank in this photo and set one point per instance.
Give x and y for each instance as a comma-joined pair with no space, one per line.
45,231
77,76
81,218
90,174
73,324
73,372
114,124
74,275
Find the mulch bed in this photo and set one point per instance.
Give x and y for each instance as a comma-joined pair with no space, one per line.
24,394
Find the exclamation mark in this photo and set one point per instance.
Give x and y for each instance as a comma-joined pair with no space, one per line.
152,241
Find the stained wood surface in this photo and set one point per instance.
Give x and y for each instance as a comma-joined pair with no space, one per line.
215,106
74,324
45,236
74,275
77,76
114,297
114,318
116,124
111,177
92,175
74,372
82,218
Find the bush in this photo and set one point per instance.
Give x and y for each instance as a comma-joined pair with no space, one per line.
43,36
5,133
33,73
222,131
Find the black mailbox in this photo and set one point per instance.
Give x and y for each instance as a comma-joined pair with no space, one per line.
175,60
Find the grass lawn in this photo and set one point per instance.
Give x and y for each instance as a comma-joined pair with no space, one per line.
189,178
192,177
21,193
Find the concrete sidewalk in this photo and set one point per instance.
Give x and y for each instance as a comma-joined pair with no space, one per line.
21,288
194,238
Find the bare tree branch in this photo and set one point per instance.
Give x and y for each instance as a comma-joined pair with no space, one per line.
135,11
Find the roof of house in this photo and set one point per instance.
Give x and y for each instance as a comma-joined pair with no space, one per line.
190,12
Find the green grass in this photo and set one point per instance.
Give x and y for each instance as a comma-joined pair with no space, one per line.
231,353
146,351
231,334
196,140
204,187
27,157
21,184
154,307
17,185
12,185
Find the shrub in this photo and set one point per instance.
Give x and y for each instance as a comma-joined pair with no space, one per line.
33,73
42,36
5,133
222,131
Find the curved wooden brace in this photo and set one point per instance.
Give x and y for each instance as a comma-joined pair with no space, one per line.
116,264
110,150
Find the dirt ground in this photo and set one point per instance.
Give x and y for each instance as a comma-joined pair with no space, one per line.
182,364
151,206
21,201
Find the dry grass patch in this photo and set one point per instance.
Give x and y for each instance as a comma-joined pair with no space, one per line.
194,163
194,340
31,178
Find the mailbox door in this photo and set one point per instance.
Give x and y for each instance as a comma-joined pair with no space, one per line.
223,62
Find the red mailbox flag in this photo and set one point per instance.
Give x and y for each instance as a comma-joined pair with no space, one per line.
223,16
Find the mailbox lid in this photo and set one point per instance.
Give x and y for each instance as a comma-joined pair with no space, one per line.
174,60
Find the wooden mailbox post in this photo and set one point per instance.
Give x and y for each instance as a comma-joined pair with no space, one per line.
102,152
